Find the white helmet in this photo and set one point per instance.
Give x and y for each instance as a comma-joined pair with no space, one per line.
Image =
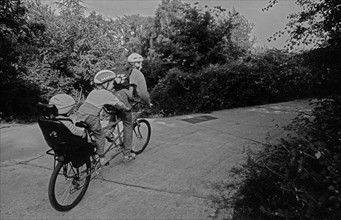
63,102
104,76
135,57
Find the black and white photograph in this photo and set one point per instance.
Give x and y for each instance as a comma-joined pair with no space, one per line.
170,109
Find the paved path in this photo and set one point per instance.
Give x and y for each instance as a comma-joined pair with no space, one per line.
173,179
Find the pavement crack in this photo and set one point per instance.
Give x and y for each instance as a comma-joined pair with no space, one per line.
29,160
34,165
25,162
157,190
224,132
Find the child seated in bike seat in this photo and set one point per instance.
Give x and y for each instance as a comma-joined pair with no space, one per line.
64,104
89,111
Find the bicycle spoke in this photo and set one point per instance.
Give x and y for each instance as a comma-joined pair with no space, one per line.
70,184
65,195
69,175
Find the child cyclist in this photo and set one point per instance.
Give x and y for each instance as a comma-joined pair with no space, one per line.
89,111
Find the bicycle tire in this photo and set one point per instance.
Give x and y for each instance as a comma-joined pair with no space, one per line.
53,192
140,139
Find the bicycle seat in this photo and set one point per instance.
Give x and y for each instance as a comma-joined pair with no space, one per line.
58,136
82,124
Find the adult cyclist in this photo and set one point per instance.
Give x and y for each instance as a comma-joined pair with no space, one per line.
137,87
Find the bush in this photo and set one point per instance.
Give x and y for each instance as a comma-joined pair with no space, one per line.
233,85
270,77
298,178
19,99
325,68
177,93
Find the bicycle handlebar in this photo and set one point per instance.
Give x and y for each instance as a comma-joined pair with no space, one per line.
110,109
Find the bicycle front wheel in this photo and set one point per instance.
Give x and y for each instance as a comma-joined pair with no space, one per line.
141,135
68,185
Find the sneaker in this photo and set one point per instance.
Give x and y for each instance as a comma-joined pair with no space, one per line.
129,157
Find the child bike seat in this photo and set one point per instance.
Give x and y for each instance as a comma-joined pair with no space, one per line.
56,134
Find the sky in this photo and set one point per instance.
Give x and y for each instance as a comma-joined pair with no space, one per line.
266,23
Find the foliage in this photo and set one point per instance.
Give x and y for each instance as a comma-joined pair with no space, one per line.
271,76
167,12
136,33
298,178
13,33
318,23
241,33
154,69
176,93
17,37
197,37
200,55
325,67
76,46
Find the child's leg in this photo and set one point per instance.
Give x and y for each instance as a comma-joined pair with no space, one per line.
98,134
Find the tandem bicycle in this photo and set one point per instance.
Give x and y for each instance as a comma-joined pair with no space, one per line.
75,160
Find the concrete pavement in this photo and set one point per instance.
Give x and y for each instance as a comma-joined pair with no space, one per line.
174,178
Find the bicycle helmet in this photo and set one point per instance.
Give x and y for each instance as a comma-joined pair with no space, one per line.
63,102
104,76
135,57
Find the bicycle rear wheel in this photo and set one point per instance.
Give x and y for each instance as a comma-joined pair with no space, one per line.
68,185
141,135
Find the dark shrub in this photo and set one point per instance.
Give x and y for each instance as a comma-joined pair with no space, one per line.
300,178
177,93
270,77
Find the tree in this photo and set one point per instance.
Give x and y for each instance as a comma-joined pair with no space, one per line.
17,39
241,33
197,36
136,33
166,13
13,33
317,24
299,177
